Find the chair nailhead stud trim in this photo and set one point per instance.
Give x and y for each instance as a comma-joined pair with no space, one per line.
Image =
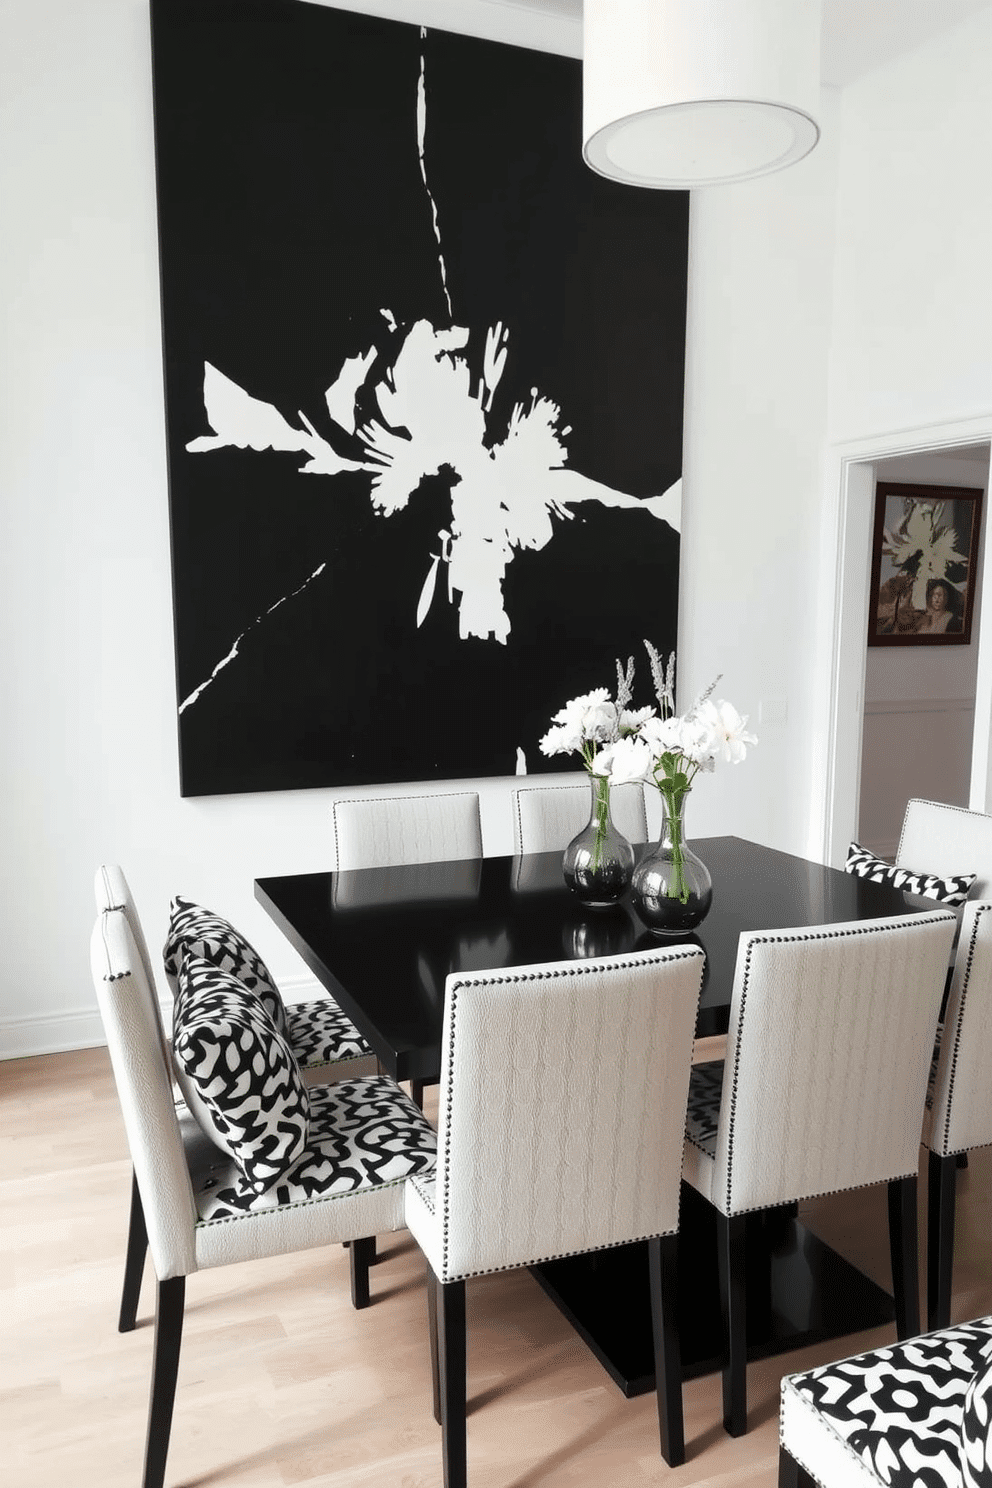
966,982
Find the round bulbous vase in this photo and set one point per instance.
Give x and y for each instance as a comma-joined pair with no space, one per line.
598,863
671,887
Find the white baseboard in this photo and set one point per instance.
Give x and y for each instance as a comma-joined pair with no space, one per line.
300,988
50,1033
55,1033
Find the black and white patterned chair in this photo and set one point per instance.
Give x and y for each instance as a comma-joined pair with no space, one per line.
960,1107
312,1166
531,1166
547,817
831,1031
326,1044
914,1414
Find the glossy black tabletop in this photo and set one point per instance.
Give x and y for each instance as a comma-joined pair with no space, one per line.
383,940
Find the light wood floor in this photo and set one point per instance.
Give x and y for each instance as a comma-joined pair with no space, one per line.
282,1383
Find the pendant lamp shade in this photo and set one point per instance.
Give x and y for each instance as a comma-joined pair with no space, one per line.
682,93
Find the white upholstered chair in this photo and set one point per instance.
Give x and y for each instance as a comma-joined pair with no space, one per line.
338,1052
386,831
391,831
831,1032
960,1117
547,817
947,840
562,1111
365,1137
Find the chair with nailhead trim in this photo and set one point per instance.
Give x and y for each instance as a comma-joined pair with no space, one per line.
831,1035
386,831
563,1094
960,1114
946,840
363,1138
392,831
546,817
339,1053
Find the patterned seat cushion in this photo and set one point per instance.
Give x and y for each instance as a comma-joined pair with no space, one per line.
364,1134
703,1112
318,1032
237,1073
901,1410
950,890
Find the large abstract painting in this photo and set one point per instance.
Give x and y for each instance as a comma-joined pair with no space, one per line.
424,381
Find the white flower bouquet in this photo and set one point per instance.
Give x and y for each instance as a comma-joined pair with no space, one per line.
620,744
594,726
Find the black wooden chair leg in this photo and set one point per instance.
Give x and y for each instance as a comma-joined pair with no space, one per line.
346,1245
417,1088
432,1286
941,1200
134,1263
903,1242
362,1256
790,1474
165,1370
451,1359
663,1262
732,1255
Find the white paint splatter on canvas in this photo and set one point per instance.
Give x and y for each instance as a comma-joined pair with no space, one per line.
226,660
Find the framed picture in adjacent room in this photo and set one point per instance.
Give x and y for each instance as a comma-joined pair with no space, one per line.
924,564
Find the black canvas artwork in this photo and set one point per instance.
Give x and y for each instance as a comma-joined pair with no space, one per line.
424,383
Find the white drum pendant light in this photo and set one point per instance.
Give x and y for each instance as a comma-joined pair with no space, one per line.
681,93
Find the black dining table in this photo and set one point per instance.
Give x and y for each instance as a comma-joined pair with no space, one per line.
382,941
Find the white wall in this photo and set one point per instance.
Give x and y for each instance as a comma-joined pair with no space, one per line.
88,754
760,290
912,341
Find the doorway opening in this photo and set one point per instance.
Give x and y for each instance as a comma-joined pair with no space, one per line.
960,452
918,719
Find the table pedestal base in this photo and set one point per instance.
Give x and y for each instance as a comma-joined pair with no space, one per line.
799,1291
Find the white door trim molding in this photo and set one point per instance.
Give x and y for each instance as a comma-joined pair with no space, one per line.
843,628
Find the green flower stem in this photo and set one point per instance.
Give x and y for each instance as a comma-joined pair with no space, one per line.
673,794
601,814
